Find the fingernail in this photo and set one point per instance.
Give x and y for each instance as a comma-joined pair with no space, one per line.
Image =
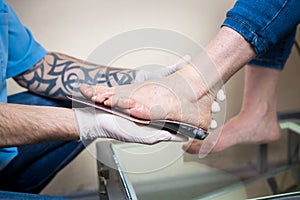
215,107
213,124
221,95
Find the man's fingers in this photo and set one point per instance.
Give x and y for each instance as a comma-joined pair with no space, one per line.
213,124
178,138
162,135
215,107
221,95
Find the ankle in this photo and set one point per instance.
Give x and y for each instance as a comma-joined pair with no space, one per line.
196,81
261,106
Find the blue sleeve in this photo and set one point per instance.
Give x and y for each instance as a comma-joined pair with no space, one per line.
23,50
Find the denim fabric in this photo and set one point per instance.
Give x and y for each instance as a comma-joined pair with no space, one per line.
22,196
268,25
264,23
35,165
277,55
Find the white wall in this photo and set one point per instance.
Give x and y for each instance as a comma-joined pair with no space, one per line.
77,27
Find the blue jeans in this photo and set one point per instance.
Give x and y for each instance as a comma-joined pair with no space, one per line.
37,164
269,26
23,196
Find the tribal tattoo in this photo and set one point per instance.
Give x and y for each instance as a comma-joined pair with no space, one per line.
58,75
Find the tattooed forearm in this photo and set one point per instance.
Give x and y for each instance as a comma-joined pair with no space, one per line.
58,75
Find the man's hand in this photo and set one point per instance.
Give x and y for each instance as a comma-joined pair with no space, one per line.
94,124
142,75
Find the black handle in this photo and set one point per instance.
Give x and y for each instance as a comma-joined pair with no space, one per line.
183,129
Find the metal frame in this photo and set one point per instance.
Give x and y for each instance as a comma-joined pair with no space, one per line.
110,183
289,121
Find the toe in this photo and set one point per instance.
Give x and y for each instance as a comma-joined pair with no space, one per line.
192,147
86,90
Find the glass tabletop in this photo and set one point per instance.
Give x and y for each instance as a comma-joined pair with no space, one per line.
160,172
165,171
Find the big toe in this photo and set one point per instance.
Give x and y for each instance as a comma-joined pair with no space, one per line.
192,147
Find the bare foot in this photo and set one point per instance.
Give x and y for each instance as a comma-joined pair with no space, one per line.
182,96
187,94
256,123
250,127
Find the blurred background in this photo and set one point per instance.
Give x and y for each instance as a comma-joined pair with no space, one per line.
77,27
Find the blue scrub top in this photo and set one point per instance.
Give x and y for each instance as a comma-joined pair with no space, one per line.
18,52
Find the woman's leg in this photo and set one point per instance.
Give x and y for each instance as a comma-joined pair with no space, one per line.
257,121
